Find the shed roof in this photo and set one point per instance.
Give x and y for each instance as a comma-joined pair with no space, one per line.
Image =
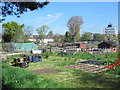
109,42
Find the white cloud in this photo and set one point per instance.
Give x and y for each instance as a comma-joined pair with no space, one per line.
49,19
54,18
44,20
49,15
28,9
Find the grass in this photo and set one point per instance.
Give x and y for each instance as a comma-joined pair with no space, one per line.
11,58
74,78
68,78
16,78
6,53
109,57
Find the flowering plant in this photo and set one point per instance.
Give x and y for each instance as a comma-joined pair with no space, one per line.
113,66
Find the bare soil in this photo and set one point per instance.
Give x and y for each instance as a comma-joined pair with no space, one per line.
98,52
45,71
87,68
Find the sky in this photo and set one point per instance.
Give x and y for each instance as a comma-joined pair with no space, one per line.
96,16
80,0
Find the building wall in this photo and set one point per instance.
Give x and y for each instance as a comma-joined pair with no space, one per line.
114,49
32,40
47,40
110,30
83,45
107,46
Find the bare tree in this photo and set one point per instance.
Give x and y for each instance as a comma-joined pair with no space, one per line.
74,26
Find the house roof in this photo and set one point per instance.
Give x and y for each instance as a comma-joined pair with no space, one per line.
48,37
35,36
75,43
109,42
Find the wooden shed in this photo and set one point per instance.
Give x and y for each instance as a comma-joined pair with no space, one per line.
108,45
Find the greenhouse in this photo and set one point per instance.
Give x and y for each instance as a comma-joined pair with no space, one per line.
23,46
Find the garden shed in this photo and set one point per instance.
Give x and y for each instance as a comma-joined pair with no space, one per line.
108,45
23,46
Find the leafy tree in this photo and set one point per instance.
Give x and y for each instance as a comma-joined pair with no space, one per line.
74,26
111,38
42,32
68,37
98,37
50,33
19,36
12,32
17,8
86,36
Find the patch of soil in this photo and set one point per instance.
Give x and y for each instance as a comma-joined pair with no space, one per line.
45,71
98,53
87,68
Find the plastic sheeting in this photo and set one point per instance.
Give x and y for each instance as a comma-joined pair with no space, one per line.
24,46
34,58
93,62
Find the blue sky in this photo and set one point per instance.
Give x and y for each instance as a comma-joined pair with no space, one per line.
96,16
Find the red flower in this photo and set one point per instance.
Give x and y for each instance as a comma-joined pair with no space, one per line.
117,63
106,67
111,65
117,59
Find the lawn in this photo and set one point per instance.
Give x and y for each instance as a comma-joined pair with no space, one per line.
70,78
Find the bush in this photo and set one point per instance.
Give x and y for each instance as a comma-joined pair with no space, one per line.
47,54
